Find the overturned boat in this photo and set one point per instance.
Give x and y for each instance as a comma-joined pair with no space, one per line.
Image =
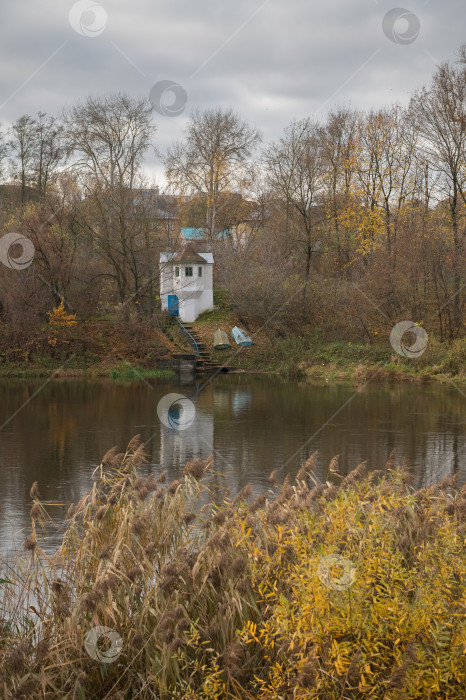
241,337
221,340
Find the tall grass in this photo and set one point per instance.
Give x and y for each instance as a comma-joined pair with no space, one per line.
218,597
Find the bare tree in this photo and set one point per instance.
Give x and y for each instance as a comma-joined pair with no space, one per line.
296,177
108,138
49,150
440,113
4,148
22,146
212,160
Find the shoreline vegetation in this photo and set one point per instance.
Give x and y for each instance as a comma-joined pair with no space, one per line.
326,363
336,371
137,351
347,589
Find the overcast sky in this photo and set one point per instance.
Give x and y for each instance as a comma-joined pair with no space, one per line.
271,60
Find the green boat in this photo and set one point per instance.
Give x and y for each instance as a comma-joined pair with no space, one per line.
221,341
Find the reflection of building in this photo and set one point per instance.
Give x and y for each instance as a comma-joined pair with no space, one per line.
240,401
186,283
178,446
221,399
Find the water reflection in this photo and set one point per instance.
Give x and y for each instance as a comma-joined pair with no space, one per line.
240,401
252,425
178,446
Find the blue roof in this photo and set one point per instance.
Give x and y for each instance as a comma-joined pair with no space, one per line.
198,234
193,234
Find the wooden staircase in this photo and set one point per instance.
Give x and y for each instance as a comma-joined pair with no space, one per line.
204,363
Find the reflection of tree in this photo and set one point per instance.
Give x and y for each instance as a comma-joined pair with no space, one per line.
62,430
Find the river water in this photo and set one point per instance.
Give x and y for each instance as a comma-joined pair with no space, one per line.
56,432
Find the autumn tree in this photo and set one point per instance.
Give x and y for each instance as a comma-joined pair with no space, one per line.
385,160
338,142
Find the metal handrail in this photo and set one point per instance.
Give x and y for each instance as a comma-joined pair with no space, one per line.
188,335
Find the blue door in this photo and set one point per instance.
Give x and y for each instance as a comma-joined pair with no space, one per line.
173,305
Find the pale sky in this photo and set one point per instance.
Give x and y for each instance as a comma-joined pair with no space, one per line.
271,60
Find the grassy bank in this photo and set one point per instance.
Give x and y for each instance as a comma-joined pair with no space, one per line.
314,356
301,358
343,590
122,372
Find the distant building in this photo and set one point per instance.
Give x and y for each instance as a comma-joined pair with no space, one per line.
160,212
186,283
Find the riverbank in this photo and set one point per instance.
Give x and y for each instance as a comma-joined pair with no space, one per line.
134,352
293,358
182,591
314,358
100,347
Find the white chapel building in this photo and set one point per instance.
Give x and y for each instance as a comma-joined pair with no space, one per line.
186,283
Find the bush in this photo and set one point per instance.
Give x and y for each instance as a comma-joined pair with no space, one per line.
242,600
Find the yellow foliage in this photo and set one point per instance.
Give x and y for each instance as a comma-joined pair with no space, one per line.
58,317
367,224
400,626
237,603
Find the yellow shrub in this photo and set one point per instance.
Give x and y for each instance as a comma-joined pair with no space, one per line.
341,591
59,318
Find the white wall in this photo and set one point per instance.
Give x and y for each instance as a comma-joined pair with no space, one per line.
195,294
166,284
188,309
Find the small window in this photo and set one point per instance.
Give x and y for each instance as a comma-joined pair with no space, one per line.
188,271
200,271
177,271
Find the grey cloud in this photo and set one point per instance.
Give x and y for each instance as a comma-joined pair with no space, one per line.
288,61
